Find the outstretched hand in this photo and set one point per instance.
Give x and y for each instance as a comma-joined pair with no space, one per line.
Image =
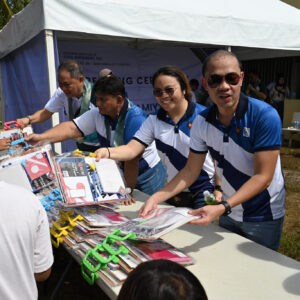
23,122
34,139
147,207
102,153
207,214
5,144
130,201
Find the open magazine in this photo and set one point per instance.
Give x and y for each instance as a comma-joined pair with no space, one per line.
84,181
158,223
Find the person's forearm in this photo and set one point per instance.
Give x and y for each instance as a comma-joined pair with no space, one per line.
255,185
260,94
40,116
61,132
126,152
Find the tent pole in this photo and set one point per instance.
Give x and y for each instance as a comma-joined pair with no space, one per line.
229,48
52,78
2,106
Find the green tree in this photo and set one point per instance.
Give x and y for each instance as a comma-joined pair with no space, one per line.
10,7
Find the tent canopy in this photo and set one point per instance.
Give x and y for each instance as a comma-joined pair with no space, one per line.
269,24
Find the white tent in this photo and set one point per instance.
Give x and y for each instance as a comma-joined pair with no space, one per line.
248,27
269,24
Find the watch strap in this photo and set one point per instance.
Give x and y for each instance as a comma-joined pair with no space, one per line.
227,207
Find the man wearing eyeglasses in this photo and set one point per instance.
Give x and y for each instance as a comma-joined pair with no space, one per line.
74,96
243,135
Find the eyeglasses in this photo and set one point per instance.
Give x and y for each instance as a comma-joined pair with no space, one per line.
215,80
169,91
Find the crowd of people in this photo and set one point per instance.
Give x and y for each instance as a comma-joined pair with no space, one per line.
230,148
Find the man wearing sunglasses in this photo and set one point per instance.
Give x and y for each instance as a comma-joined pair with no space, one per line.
243,135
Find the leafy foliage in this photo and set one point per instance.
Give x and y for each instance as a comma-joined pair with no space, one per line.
10,7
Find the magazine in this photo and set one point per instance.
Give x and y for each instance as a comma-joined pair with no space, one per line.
97,216
82,183
159,249
37,164
158,223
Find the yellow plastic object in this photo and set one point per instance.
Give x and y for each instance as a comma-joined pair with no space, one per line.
92,166
57,237
80,153
72,221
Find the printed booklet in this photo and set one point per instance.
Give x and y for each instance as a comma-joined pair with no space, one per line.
84,181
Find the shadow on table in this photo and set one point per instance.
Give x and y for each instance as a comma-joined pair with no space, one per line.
207,236
291,284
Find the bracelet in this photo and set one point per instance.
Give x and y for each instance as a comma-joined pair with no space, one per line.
108,152
29,119
218,188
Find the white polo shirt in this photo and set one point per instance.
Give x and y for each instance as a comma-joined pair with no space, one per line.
92,121
173,142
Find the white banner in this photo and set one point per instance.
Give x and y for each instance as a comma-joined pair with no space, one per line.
134,66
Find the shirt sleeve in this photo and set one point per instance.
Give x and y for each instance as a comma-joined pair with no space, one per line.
268,130
146,132
132,125
56,102
43,256
197,143
86,123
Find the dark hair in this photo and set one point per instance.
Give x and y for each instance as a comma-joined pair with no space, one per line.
194,82
179,75
161,280
109,85
278,76
218,54
72,67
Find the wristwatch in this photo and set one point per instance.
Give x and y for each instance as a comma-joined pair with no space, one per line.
227,207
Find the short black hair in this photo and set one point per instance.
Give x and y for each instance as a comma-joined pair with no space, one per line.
160,280
178,74
72,67
111,85
218,54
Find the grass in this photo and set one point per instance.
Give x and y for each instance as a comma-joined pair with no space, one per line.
290,240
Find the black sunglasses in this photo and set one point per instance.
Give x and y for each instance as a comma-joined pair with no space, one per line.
215,80
169,91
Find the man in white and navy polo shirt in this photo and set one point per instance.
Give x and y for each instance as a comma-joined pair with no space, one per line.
243,135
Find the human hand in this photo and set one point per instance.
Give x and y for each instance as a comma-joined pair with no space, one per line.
129,201
102,153
218,195
150,205
208,213
34,139
23,122
5,144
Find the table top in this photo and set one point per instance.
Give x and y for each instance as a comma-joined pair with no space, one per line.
230,266
291,129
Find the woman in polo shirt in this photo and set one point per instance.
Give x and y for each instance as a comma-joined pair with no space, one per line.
170,129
